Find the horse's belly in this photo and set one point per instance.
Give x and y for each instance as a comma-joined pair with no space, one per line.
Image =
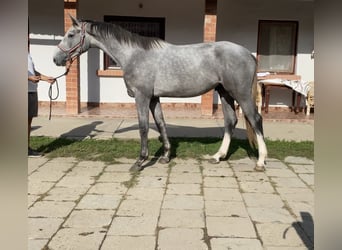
182,89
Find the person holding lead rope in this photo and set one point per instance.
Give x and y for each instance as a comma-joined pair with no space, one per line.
33,78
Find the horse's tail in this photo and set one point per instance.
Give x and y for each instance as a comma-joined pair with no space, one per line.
256,96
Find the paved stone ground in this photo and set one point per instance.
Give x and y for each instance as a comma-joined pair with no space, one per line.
188,204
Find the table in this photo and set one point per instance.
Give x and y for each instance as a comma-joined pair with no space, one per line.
276,81
266,93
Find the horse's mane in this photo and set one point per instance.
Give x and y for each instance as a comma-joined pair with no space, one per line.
124,36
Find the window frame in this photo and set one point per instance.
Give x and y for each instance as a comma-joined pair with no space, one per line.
293,41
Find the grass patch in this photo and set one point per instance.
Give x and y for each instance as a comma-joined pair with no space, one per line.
109,150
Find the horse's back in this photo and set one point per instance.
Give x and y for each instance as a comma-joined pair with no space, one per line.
224,55
234,54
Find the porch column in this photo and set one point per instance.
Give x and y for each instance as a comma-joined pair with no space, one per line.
73,104
207,100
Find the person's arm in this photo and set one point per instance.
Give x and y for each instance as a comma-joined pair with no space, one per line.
34,79
42,77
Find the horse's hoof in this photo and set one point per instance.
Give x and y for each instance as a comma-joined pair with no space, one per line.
259,168
213,161
164,160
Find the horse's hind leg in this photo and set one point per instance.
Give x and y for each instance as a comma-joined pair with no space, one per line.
157,113
230,121
255,121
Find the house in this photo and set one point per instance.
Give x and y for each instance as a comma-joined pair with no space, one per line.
279,32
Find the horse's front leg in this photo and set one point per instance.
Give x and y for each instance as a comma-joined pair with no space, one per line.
142,104
157,113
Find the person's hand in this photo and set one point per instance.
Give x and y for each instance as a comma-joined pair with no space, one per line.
48,79
34,79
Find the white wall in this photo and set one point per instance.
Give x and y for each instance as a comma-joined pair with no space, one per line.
46,25
237,21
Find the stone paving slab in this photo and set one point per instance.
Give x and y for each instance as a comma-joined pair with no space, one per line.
189,204
43,228
87,218
77,238
226,209
134,226
181,238
231,227
129,242
99,201
182,218
235,244
179,189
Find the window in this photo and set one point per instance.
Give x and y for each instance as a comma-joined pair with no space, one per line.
145,26
277,46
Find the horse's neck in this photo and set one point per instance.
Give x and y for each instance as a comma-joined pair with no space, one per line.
121,53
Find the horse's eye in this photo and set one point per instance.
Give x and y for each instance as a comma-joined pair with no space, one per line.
71,35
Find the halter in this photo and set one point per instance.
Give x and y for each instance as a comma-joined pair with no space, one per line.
69,52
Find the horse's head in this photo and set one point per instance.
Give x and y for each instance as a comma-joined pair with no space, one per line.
73,44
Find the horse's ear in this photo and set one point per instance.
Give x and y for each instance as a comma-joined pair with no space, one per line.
75,22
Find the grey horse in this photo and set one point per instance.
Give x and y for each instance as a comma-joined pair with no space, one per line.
154,68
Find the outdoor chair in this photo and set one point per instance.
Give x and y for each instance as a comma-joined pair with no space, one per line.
310,98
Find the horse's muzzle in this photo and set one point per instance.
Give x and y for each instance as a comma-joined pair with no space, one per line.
59,62
59,57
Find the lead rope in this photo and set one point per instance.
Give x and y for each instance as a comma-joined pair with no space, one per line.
57,88
52,98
